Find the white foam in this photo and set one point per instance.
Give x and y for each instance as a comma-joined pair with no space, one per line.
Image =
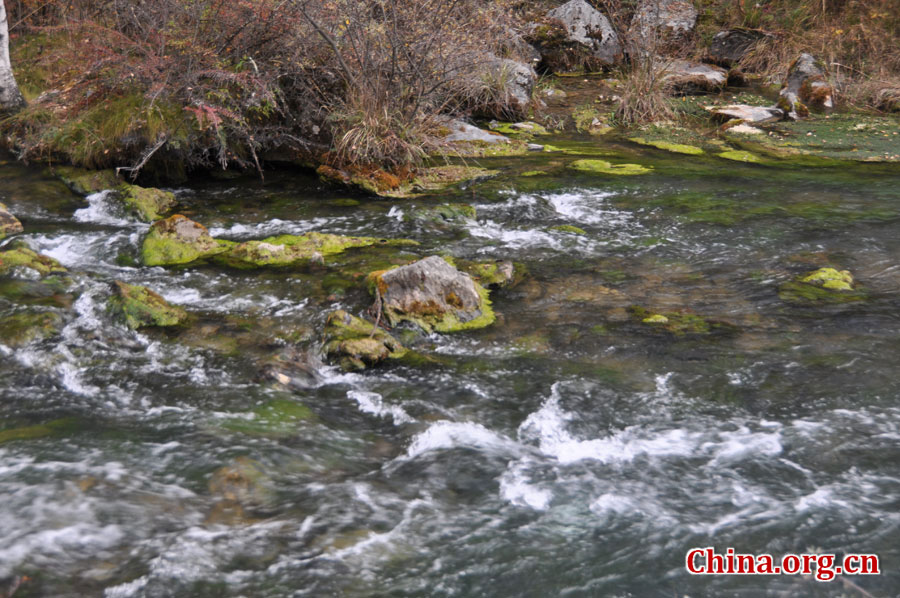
103,209
372,402
516,488
449,435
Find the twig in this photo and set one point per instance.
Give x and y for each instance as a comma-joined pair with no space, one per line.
136,169
378,306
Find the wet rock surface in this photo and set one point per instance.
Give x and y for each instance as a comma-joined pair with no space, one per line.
356,344
433,295
805,88
9,224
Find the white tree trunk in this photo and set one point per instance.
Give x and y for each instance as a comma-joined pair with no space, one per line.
10,96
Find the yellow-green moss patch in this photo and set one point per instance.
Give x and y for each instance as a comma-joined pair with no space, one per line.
604,167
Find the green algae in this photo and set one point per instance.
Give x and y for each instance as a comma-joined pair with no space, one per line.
534,172
87,182
656,319
568,228
740,156
483,149
443,214
50,291
604,167
678,148
19,255
523,130
492,274
279,418
24,327
437,178
356,344
55,427
138,307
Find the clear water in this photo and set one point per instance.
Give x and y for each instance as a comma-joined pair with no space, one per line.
565,451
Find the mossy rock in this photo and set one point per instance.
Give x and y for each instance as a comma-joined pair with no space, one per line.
139,307
534,172
291,250
179,240
87,182
495,274
437,178
483,149
9,224
522,130
568,228
24,327
51,291
444,215
146,203
356,344
740,156
678,148
20,256
679,323
604,167
432,295
279,418
825,285
243,482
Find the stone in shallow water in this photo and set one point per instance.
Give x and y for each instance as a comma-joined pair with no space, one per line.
179,240
356,344
604,167
9,224
825,285
20,258
433,295
139,306
749,114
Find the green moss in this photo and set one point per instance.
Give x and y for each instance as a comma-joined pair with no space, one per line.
444,214
139,306
178,240
49,291
87,182
522,130
740,156
290,250
148,204
534,172
604,167
451,322
680,323
280,418
51,428
24,327
356,344
493,274
437,178
21,256
568,228
678,148
483,149
825,285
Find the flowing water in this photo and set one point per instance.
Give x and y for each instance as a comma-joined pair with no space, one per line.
567,450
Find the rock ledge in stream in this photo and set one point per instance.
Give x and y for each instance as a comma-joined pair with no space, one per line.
20,257
433,295
139,306
356,344
146,203
179,240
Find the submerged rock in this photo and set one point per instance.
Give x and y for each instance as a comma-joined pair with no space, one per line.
825,285
730,45
685,77
680,323
433,295
576,35
444,215
748,114
139,307
145,203
24,327
356,344
805,87
9,224
179,240
292,250
243,484
19,259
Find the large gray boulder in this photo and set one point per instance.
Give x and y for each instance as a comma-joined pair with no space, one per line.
432,295
663,20
462,132
805,87
576,35
730,45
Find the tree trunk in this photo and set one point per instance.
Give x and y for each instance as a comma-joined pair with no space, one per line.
10,97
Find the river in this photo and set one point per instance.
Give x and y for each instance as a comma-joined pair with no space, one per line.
567,450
